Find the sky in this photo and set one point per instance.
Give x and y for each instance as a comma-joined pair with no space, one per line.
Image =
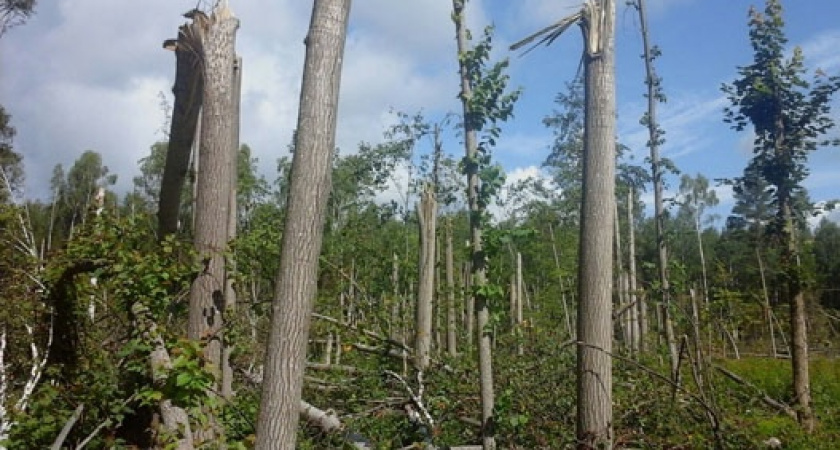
92,75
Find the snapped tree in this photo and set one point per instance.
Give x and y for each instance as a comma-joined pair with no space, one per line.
789,115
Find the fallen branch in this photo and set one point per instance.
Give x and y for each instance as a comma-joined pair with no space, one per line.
366,332
59,440
766,398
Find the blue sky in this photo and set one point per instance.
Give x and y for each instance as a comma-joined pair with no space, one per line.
89,74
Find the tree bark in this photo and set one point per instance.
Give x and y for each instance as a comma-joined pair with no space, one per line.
188,93
207,302
594,377
427,215
303,232
230,293
479,273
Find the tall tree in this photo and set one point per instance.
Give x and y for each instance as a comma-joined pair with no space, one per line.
485,102
789,115
695,198
214,185
595,268
654,95
303,230
595,280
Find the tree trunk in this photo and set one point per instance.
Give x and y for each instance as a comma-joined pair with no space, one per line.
188,93
798,322
233,221
639,313
654,139
520,294
594,376
213,197
427,215
451,336
567,313
303,232
479,273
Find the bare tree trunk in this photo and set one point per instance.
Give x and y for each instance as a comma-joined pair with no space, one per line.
303,232
566,310
767,309
233,221
655,136
518,287
213,197
469,306
188,92
479,274
451,335
639,314
594,366
798,324
427,215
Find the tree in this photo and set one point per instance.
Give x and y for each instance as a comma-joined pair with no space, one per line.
658,165
788,115
14,13
303,230
695,198
595,268
484,103
214,186
594,426
11,163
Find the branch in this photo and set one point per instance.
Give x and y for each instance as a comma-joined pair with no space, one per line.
67,427
763,395
366,332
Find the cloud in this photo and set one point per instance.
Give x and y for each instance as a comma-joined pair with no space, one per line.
86,74
821,51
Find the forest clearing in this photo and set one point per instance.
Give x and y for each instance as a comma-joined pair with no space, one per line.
404,293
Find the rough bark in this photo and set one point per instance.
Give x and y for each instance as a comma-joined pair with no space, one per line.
595,279
479,275
207,301
427,215
303,232
188,93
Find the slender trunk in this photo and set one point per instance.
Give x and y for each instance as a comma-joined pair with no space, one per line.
638,315
566,311
451,336
518,286
654,138
595,276
479,275
767,309
427,215
303,232
798,325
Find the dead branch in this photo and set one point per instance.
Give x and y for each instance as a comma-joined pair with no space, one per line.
766,398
